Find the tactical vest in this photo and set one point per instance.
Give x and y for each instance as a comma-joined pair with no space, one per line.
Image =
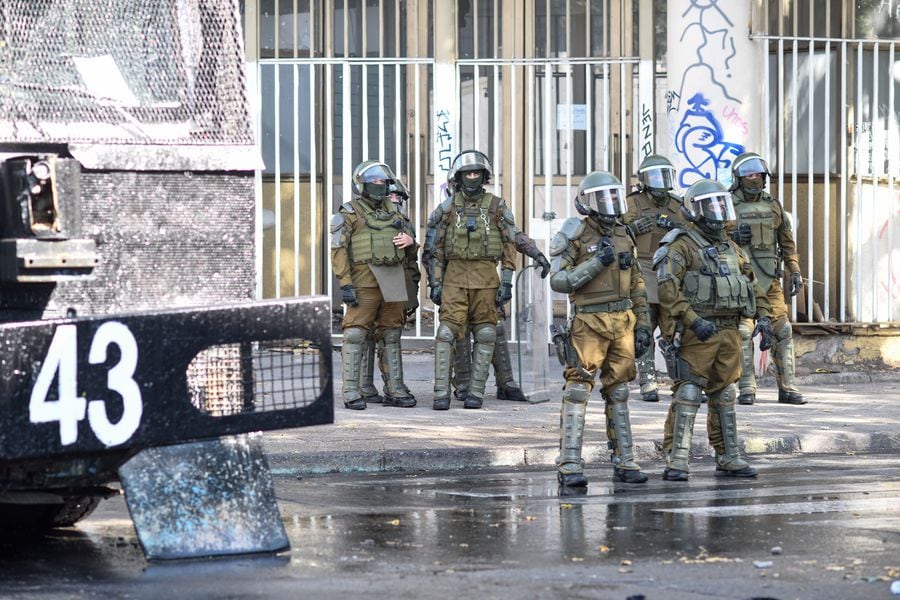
718,288
372,239
614,282
646,206
473,231
763,249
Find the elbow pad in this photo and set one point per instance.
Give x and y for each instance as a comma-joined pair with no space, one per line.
577,277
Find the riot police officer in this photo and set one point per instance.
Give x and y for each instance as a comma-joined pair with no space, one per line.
764,232
473,231
653,210
399,196
593,260
706,286
371,248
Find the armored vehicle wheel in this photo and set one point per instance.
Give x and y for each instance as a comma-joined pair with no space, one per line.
35,518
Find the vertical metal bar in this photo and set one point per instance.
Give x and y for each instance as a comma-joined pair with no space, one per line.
498,123
826,242
312,37
258,184
605,138
381,113
857,250
795,82
548,153
364,101
875,146
329,160
415,187
810,149
844,172
476,53
296,177
296,28
277,30
476,106
313,191
398,137
623,144
893,151
347,133
278,215
782,116
767,94
570,102
589,129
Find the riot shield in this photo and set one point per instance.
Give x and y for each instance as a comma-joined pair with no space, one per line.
530,350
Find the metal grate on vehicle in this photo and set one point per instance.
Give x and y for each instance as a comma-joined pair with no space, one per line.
122,71
254,377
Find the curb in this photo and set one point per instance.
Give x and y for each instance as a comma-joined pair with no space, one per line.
454,459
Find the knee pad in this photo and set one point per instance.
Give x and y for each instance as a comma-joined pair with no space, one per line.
576,392
501,329
724,397
355,335
783,331
486,334
445,334
391,336
617,394
688,393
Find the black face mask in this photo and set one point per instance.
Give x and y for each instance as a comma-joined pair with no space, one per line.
714,231
375,191
472,187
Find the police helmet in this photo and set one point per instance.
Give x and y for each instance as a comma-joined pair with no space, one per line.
656,173
372,179
466,162
708,203
748,163
601,195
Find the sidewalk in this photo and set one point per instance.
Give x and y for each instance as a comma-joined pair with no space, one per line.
850,412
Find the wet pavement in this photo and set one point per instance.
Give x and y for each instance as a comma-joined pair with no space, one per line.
826,526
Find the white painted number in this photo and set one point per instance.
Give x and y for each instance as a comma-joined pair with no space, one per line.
69,409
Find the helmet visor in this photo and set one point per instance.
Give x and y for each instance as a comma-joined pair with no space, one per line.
658,178
715,207
608,201
471,160
398,188
376,172
750,166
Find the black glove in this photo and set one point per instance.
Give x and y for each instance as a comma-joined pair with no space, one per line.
703,329
435,293
643,339
664,222
642,225
764,328
544,264
796,283
606,254
504,294
348,295
742,235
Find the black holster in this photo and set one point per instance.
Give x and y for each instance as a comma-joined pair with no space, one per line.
677,367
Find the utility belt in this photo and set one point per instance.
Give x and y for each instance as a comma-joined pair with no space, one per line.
729,322
676,366
617,306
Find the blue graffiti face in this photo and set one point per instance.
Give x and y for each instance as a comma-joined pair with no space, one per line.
701,140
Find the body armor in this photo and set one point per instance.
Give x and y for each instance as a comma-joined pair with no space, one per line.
614,282
473,232
763,249
646,206
718,288
373,243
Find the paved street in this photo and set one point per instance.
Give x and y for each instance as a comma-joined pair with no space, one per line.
810,527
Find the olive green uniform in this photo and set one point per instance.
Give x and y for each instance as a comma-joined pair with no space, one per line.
665,212
471,237
608,303
362,236
772,241
699,277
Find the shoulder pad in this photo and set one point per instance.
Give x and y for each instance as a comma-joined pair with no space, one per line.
337,221
347,207
660,255
675,197
671,236
508,216
558,244
572,228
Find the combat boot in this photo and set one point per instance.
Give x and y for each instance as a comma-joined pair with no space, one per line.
728,459
646,367
510,391
685,406
443,358
618,432
789,397
367,372
485,336
571,434
747,398
391,361
351,365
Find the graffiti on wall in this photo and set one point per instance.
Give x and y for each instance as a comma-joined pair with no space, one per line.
707,121
443,139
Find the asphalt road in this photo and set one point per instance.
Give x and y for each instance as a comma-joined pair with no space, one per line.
810,527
